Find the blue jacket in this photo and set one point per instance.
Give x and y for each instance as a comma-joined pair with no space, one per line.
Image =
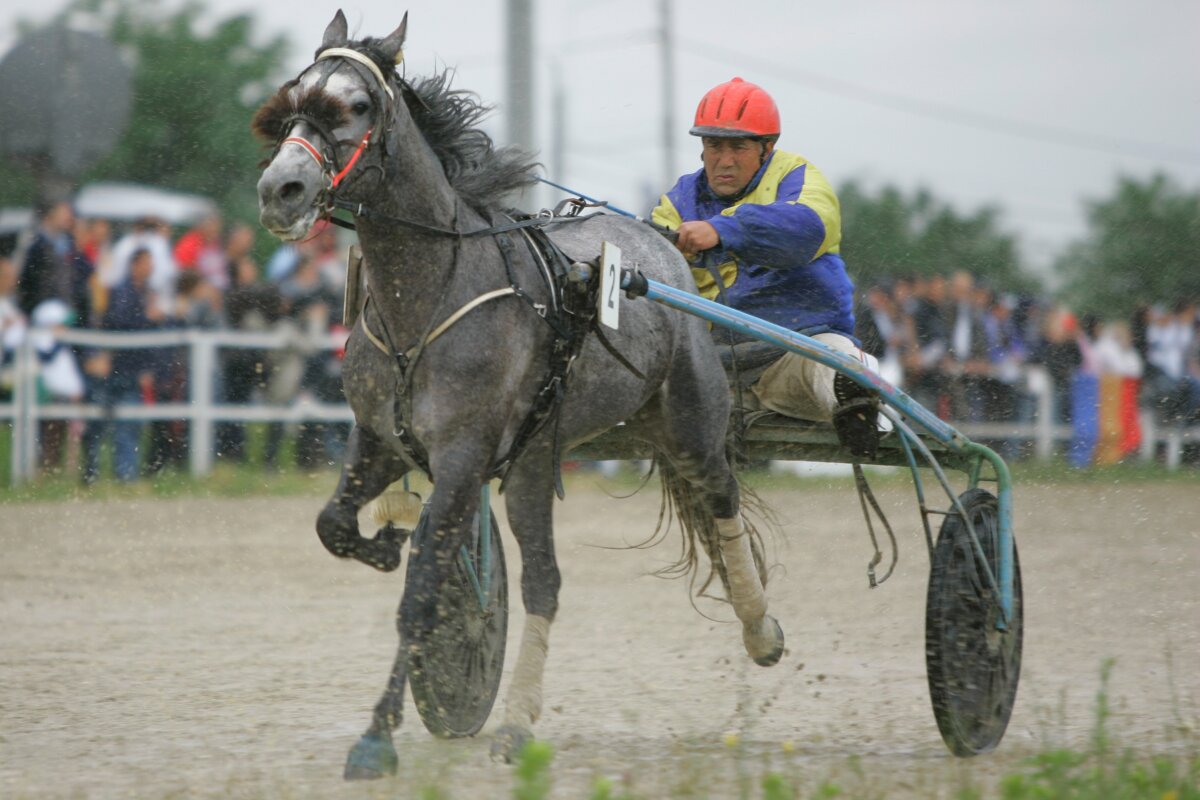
778,257
127,312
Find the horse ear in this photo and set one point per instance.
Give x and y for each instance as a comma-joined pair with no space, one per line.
337,33
394,41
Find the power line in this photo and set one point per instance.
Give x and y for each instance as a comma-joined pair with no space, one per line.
939,111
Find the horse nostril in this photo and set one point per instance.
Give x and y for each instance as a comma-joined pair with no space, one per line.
291,191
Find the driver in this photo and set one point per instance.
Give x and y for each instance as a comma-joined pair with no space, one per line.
760,228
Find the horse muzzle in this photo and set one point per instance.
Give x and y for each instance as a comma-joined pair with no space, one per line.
289,200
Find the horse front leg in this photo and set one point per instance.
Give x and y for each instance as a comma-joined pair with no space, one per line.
368,468
530,498
452,509
374,754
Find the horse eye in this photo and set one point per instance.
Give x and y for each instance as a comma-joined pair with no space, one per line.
361,107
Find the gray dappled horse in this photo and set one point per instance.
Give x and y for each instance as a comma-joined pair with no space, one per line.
422,181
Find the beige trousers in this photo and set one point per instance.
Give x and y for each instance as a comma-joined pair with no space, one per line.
799,387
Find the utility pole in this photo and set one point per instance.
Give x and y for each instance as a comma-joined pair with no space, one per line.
519,86
667,47
558,122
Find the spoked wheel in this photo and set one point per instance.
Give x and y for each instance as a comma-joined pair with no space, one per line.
973,666
455,673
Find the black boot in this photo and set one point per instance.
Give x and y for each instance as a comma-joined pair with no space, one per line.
856,418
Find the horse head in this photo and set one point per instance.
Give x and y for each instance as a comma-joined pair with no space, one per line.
330,127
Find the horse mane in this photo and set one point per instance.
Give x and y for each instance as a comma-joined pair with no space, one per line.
449,119
481,173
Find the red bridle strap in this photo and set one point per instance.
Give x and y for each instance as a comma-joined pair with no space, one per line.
358,151
307,145
316,154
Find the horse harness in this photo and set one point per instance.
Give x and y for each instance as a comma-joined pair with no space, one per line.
571,314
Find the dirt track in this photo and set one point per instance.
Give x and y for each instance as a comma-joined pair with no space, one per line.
212,648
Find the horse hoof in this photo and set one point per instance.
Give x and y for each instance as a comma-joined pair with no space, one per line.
764,641
508,743
383,551
370,759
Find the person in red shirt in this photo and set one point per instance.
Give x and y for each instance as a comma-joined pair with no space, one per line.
201,249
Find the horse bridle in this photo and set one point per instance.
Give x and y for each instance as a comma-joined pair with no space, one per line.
326,157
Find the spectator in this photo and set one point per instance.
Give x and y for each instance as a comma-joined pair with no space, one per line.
1001,383
45,294
238,246
1192,375
883,333
1120,369
198,304
311,303
966,365
46,273
61,381
12,324
152,234
132,307
200,249
90,246
251,305
1059,354
1085,396
930,343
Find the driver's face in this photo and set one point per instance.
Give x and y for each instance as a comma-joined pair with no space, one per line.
729,164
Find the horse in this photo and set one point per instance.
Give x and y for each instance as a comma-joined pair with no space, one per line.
457,367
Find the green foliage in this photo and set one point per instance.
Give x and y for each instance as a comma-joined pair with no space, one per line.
890,234
532,772
197,82
602,789
776,787
1068,775
1140,247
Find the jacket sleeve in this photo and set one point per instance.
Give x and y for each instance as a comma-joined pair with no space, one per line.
801,225
665,214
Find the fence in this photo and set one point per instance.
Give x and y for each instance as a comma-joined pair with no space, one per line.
202,411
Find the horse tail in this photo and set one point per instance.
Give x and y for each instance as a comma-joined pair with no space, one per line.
684,502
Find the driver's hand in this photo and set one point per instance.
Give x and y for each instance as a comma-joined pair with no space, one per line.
695,237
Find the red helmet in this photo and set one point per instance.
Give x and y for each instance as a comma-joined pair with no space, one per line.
737,109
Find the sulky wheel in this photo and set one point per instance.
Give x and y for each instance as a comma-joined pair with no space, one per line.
455,674
973,666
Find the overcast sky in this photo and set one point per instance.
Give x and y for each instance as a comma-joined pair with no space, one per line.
1029,106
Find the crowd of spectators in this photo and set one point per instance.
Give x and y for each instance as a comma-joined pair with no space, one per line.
958,347
81,273
965,351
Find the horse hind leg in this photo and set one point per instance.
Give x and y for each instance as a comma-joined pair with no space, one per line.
369,467
761,634
706,497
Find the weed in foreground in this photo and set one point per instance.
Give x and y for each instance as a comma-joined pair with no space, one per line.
1061,774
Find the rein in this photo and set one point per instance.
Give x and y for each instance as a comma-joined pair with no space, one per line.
361,210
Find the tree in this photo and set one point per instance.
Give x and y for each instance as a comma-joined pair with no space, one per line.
1142,247
194,95
890,234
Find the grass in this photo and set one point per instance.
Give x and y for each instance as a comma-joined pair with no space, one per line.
254,479
1098,772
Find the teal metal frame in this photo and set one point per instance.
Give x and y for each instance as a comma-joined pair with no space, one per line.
899,408
902,410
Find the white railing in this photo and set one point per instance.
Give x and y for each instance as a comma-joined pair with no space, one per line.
202,411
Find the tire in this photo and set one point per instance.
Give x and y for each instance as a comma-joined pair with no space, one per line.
973,667
455,674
